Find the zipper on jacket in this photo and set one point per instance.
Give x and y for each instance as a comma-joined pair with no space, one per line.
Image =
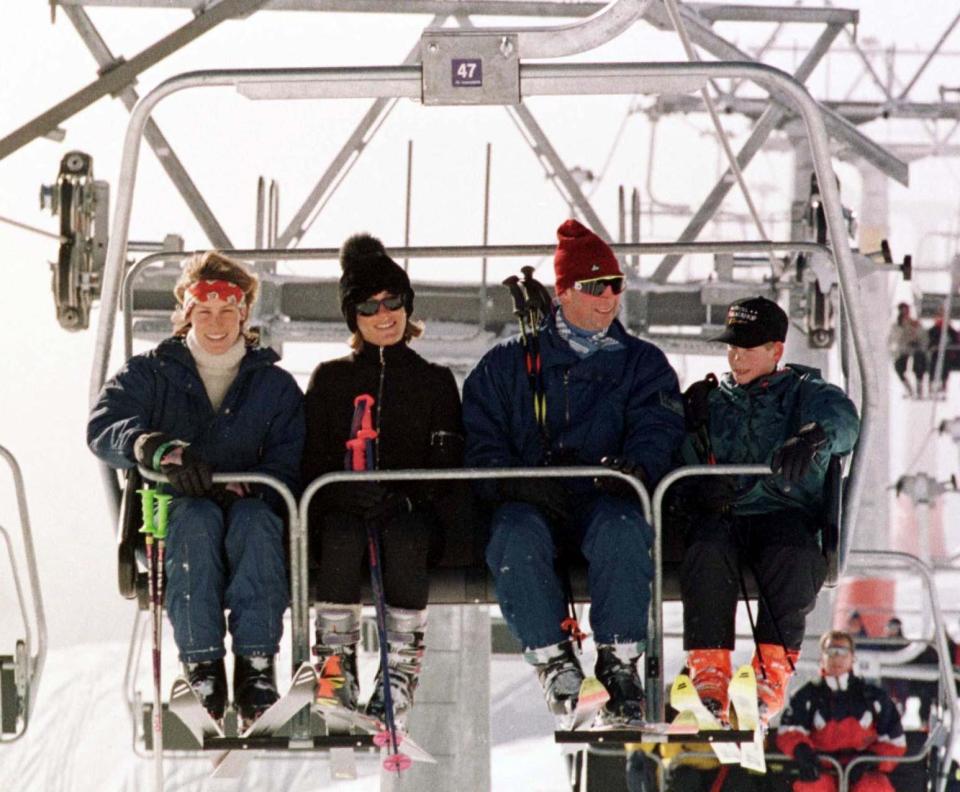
383,368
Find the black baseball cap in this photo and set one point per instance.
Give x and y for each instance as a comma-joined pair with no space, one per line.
752,322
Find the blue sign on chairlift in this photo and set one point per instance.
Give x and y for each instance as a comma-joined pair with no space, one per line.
467,72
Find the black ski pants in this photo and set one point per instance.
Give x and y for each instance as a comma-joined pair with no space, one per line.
782,551
340,546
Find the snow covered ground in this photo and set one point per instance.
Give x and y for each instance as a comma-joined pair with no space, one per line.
81,739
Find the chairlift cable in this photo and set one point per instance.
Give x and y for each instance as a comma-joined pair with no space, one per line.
722,136
613,149
34,229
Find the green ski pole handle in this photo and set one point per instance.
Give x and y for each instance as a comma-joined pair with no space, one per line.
147,498
163,509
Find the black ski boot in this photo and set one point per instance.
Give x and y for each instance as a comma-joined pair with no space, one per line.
616,668
208,678
405,647
560,675
338,633
254,686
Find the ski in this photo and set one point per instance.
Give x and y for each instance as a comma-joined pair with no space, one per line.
336,713
187,706
685,699
593,695
302,687
743,700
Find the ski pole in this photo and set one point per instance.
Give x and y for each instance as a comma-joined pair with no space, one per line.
148,498
360,459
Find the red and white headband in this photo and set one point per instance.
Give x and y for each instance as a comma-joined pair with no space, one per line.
204,290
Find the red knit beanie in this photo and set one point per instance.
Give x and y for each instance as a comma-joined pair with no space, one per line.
581,255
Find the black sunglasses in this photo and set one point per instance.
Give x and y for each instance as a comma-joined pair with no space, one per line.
372,307
596,286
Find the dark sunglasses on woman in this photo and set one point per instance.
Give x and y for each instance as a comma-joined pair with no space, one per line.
372,307
596,286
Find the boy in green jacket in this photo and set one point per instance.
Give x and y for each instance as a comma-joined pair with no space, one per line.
759,413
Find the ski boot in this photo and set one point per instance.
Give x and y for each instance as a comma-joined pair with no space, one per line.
208,678
616,668
405,647
711,672
773,677
560,675
254,686
338,632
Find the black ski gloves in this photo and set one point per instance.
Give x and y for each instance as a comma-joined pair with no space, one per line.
616,486
184,468
714,494
793,458
808,763
368,500
547,494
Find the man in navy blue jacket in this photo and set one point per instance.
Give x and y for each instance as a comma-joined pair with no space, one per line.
609,398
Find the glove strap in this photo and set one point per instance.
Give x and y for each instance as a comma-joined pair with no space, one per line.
162,450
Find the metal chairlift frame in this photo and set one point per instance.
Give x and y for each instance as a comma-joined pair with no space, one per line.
20,673
534,79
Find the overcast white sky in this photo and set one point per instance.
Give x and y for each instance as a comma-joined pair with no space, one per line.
226,142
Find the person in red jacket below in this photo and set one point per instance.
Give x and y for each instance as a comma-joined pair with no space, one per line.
845,717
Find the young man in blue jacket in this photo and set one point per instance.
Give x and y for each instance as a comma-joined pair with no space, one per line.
794,421
609,398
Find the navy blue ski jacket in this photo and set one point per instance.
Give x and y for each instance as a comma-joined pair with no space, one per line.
623,402
259,427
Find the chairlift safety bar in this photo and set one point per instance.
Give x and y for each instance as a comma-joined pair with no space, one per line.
35,661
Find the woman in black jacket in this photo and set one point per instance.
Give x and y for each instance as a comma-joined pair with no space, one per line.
417,417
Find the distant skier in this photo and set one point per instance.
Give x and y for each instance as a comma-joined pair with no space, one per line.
609,398
209,400
841,716
794,421
907,340
417,416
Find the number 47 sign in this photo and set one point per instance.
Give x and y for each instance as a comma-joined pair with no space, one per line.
467,72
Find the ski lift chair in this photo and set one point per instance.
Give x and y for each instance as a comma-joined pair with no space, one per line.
913,770
20,672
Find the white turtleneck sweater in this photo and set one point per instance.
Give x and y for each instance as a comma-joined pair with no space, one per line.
217,371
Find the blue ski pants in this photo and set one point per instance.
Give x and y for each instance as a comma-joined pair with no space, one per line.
615,540
215,562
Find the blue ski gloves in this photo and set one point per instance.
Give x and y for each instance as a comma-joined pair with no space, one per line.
794,457
187,472
808,763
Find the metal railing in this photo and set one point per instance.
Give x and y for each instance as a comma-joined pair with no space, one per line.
655,703
28,666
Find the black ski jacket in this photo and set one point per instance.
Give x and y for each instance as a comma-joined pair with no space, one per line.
416,413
